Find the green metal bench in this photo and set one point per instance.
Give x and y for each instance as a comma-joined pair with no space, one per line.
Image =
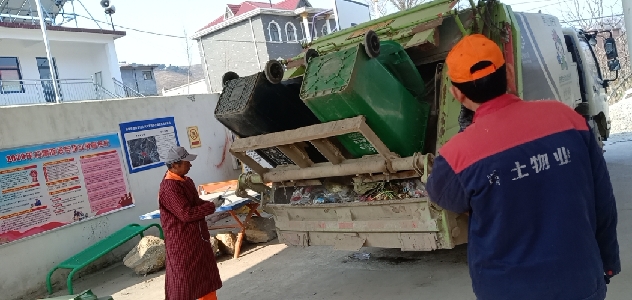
96,251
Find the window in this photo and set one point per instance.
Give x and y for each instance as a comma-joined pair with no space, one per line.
290,31
147,75
313,30
48,89
228,14
10,75
274,31
308,30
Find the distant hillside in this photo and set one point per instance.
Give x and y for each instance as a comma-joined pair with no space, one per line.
169,77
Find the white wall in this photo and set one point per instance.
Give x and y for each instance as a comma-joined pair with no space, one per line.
29,260
198,87
79,55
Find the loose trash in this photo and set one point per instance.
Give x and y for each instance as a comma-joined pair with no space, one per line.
358,192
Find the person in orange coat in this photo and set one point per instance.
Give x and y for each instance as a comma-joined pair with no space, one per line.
192,271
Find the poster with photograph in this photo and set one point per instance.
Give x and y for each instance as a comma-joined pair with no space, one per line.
47,186
147,142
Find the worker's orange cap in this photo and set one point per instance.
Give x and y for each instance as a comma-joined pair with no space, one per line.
469,51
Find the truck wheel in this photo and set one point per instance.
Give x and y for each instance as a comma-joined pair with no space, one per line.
372,44
595,131
311,53
228,76
274,71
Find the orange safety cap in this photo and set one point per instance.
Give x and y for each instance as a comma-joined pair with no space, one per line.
469,51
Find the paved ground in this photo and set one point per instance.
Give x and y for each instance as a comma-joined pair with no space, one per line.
275,271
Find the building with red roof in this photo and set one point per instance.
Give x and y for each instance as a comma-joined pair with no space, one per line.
249,34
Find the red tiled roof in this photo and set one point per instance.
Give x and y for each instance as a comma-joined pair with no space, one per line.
287,4
247,6
234,8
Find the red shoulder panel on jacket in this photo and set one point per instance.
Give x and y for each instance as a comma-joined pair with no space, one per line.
514,125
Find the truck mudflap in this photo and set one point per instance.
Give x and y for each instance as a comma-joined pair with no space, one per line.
409,224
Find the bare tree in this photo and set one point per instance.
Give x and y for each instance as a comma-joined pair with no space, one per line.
379,6
591,15
405,4
384,6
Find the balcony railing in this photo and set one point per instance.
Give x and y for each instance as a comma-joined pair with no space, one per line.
25,91
124,91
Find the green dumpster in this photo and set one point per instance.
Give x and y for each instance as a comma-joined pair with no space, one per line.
348,83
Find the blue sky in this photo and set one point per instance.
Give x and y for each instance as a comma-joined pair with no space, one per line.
167,17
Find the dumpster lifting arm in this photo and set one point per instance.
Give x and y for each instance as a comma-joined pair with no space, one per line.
387,162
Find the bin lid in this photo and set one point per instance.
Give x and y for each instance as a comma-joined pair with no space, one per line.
329,74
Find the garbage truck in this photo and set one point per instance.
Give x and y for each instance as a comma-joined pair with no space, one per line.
339,140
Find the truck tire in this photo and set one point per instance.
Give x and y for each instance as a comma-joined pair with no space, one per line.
372,44
228,76
274,71
595,131
583,109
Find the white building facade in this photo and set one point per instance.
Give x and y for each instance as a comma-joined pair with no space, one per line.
85,60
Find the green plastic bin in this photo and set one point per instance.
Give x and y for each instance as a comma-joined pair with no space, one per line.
395,59
348,83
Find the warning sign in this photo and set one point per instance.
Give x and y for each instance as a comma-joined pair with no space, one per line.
194,137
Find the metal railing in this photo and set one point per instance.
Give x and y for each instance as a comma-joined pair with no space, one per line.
26,91
124,91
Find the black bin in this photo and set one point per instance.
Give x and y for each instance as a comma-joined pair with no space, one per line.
251,106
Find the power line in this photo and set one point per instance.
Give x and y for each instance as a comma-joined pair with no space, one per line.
132,29
528,2
595,18
559,2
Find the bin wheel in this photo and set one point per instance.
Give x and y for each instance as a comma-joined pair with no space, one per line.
274,71
228,76
311,53
372,44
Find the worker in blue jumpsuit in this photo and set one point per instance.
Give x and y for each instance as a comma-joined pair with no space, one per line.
534,181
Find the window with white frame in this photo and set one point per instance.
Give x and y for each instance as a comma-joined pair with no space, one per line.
290,31
313,33
274,31
324,30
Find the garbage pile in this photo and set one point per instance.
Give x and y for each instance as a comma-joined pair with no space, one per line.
359,192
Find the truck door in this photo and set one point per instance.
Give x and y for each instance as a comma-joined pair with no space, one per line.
597,98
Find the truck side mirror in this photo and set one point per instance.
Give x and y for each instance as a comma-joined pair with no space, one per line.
610,46
614,65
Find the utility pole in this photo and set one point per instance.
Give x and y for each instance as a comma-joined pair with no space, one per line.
627,16
51,64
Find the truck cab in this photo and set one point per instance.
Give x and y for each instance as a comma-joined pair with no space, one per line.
592,82
561,63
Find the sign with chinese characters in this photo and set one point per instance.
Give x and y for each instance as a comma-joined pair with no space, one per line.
147,142
47,186
194,137
540,163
